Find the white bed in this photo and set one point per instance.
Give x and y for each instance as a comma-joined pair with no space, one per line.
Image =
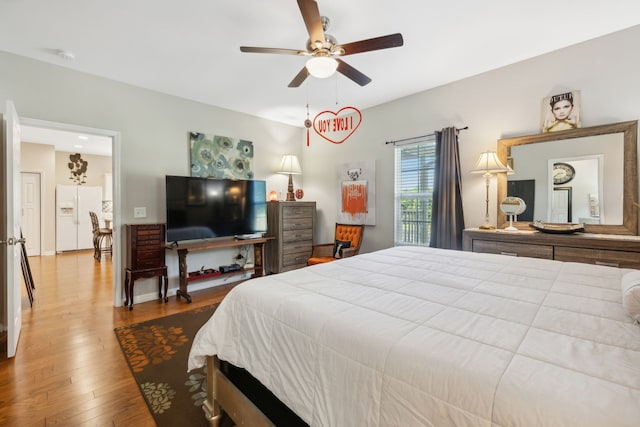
412,336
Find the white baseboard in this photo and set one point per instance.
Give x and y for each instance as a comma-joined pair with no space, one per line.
204,284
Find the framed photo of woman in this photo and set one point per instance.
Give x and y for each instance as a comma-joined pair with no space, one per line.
561,112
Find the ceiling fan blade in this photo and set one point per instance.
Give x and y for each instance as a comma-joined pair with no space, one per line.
299,78
350,72
311,16
252,49
376,43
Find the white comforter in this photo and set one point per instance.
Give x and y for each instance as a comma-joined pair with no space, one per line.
413,336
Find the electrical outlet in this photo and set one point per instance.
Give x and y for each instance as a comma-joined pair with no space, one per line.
140,212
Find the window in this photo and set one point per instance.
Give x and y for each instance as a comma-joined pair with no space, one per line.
415,169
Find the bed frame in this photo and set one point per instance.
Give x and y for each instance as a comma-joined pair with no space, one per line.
222,393
232,393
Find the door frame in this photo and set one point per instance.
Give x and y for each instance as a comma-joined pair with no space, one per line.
116,255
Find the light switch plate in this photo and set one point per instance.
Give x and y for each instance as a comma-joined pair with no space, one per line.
139,212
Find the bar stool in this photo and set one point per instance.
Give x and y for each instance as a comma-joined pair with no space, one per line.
102,238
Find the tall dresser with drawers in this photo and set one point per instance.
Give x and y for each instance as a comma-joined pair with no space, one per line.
291,226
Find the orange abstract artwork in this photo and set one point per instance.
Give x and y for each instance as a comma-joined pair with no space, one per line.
354,197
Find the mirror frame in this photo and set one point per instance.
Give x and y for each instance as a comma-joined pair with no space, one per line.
629,130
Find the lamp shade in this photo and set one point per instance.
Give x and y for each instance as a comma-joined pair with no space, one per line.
322,66
489,163
290,165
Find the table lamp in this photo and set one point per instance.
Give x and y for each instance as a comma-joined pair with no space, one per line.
488,164
290,165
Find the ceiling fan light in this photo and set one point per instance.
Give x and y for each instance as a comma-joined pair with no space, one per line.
322,66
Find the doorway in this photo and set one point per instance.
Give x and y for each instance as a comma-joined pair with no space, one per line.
110,138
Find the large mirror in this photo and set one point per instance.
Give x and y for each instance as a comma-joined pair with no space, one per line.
596,178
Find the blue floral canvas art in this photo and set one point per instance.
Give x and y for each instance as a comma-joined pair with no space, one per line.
220,156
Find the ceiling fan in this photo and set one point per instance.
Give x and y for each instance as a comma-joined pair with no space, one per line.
324,49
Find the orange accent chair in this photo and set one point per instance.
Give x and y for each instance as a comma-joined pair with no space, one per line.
348,238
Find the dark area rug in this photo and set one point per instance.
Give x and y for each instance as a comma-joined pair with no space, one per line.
156,352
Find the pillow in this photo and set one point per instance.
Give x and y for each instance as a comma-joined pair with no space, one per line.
339,246
631,294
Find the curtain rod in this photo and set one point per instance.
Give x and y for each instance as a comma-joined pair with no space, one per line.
420,136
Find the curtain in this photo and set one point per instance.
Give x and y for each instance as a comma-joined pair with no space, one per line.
447,219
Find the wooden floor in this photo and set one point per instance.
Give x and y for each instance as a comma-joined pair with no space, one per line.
69,369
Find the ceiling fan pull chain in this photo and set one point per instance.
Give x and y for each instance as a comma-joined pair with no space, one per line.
307,123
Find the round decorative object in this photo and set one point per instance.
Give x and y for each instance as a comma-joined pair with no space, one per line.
299,193
563,173
512,206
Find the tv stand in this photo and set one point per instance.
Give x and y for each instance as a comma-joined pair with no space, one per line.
184,249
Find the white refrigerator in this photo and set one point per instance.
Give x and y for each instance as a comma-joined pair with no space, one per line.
73,223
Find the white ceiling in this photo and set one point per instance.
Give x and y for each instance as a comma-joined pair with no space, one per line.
191,49
70,142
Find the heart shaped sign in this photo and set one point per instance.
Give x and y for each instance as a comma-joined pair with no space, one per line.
337,127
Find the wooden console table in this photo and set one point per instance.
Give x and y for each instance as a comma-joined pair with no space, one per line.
185,248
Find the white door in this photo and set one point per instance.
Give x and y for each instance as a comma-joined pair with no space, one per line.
30,218
10,232
560,205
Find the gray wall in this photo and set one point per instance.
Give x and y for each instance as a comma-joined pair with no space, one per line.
153,132
501,103
153,127
497,104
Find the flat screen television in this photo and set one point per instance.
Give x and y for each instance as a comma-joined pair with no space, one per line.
204,208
